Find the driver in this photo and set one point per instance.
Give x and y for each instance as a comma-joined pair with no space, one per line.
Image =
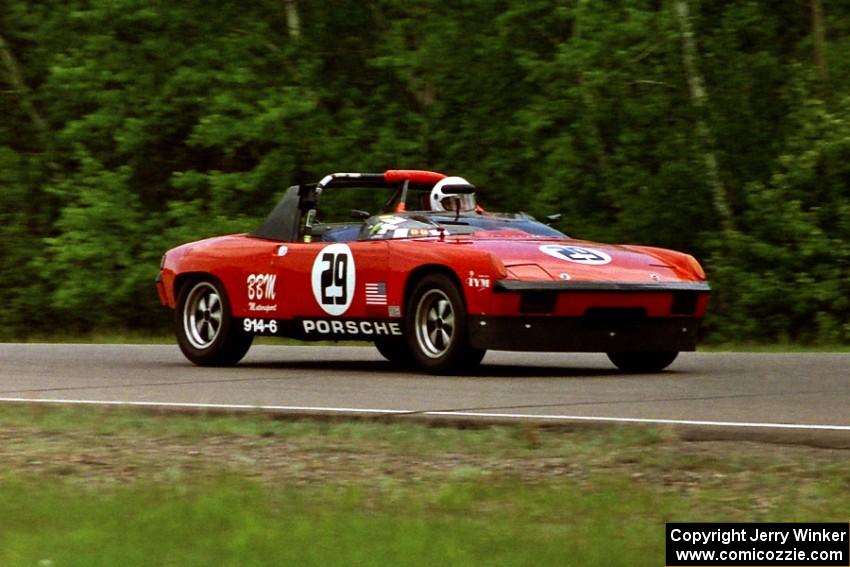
447,196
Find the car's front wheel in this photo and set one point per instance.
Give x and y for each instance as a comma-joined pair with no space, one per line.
642,361
436,327
206,332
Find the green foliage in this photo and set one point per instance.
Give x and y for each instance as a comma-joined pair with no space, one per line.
129,127
90,487
797,248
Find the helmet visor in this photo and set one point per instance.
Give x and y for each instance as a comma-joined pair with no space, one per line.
464,202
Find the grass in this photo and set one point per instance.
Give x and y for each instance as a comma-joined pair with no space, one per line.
119,487
773,348
239,523
99,337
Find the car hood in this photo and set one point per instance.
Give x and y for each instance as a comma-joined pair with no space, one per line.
579,260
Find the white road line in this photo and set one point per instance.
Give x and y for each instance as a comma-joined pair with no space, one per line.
517,416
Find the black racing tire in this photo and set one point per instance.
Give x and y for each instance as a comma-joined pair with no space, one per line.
642,361
394,350
436,327
472,357
206,331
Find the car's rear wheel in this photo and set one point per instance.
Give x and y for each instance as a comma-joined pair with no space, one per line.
206,332
394,350
642,361
436,327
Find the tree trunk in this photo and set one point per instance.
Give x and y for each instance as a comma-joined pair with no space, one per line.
293,20
819,34
587,99
699,98
16,81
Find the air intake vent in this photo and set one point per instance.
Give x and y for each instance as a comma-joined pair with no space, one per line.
537,301
684,302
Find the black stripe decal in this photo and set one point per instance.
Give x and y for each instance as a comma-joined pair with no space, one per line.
521,285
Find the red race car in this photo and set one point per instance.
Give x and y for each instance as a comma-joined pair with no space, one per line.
432,279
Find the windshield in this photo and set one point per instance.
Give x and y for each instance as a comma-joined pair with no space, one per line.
421,224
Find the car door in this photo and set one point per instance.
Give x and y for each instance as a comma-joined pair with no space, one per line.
324,285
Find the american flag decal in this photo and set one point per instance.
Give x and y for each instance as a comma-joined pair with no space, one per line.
376,293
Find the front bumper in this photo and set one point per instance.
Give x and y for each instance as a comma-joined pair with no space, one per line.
584,334
580,299
581,316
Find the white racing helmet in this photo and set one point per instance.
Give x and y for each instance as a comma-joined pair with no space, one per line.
447,196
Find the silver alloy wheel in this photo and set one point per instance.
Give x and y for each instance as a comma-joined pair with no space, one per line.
202,315
435,323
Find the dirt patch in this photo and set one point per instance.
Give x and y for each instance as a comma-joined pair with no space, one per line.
127,457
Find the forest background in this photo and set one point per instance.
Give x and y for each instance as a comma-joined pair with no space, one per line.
716,127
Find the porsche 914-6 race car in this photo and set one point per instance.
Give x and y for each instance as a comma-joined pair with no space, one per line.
432,279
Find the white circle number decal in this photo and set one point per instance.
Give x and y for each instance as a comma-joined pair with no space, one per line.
333,278
577,254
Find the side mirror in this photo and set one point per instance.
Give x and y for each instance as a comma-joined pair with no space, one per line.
360,215
552,219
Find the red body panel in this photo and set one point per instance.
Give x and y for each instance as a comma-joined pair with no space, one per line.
288,288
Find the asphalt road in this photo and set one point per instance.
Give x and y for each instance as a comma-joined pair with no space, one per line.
786,397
